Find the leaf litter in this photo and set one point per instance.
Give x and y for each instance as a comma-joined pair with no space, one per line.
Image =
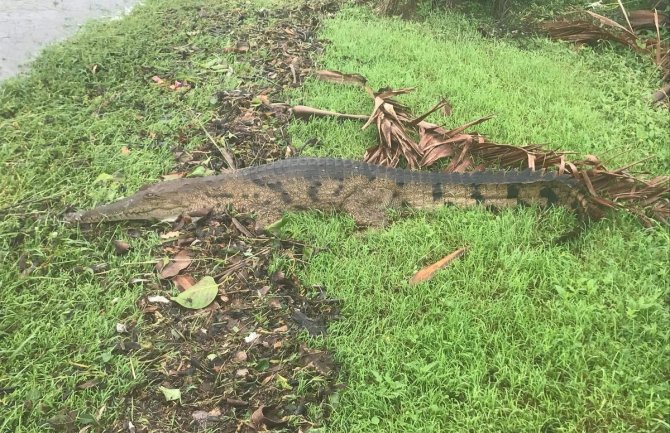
587,27
241,356
233,349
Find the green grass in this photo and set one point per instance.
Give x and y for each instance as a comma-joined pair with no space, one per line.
520,334
63,128
589,102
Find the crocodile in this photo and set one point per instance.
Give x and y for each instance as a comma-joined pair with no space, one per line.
363,190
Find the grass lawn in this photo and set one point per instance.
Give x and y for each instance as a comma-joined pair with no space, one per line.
87,126
518,335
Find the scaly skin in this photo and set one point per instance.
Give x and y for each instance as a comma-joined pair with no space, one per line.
363,190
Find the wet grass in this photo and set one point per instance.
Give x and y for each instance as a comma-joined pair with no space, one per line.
518,335
87,126
521,334
591,102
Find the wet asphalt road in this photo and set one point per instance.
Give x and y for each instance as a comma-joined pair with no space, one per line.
26,26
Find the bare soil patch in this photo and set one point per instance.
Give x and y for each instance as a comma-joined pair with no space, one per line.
244,362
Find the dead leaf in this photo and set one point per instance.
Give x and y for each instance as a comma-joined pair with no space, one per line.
156,79
178,263
170,235
240,356
180,85
263,417
646,19
251,337
88,384
341,78
241,228
447,108
64,421
183,282
281,329
240,47
121,247
158,299
429,271
304,112
129,427
125,150
236,403
173,176
200,416
320,360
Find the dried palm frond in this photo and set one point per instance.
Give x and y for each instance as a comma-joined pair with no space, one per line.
394,140
592,28
403,138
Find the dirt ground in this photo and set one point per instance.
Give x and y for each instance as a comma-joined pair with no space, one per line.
243,364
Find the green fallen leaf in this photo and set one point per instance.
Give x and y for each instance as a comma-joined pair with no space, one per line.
103,177
275,226
200,295
282,383
200,171
171,394
87,418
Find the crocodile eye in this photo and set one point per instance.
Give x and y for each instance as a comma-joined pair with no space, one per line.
151,196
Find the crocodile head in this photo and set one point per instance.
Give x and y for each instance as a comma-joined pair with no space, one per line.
160,202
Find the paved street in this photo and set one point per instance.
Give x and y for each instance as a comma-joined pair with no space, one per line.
28,25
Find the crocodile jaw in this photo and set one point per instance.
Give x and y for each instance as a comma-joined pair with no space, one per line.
131,208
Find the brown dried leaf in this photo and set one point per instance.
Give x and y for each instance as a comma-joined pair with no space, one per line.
170,235
241,228
240,47
341,78
465,126
429,271
646,19
610,23
304,112
183,282
64,421
178,263
88,384
263,417
120,247
173,176
444,105
280,329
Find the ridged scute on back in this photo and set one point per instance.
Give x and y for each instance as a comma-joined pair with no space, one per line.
332,168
